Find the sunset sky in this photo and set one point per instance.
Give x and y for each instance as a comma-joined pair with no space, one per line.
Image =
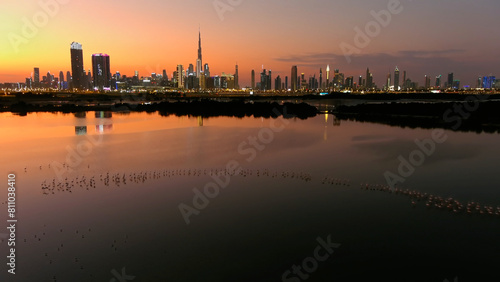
427,37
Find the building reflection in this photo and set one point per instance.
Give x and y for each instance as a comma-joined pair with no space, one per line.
103,114
80,130
200,121
102,128
80,115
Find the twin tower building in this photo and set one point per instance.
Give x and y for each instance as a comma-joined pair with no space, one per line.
101,72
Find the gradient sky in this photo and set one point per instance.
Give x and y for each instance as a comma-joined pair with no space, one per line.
428,37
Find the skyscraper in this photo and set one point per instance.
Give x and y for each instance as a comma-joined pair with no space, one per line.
450,81
438,81
388,82
369,79
77,66
328,76
294,78
61,80
199,47
101,71
180,76
396,79
37,77
199,61
269,80
207,71
68,77
320,78
427,82
277,83
405,87
253,79
236,78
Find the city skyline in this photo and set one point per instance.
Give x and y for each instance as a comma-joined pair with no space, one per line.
231,36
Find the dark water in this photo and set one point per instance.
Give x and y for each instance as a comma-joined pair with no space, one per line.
268,215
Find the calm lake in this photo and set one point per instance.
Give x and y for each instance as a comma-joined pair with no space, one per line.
142,197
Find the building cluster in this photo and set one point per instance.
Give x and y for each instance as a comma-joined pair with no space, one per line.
198,77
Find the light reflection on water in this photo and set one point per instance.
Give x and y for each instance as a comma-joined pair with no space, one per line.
258,226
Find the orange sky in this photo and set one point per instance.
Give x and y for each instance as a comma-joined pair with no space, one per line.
150,36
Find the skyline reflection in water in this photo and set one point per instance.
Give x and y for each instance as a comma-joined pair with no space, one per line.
259,225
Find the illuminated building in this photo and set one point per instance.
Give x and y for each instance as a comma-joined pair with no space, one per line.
396,79
78,74
101,71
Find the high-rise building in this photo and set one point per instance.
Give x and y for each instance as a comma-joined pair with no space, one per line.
438,81
369,79
294,81
489,82
388,81
286,83
207,71
450,80
269,80
78,77
277,83
253,79
328,76
320,78
349,82
37,77
479,83
199,47
396,79
404,84
180,76
236,78
190,69
198,68
101,71
427,82
61,80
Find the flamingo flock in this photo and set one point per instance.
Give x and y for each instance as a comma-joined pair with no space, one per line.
117,179
431,201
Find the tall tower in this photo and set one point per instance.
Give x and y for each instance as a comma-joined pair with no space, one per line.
320,78
77,65
396,79
199,46
253,79
199,61
294,79
236,78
